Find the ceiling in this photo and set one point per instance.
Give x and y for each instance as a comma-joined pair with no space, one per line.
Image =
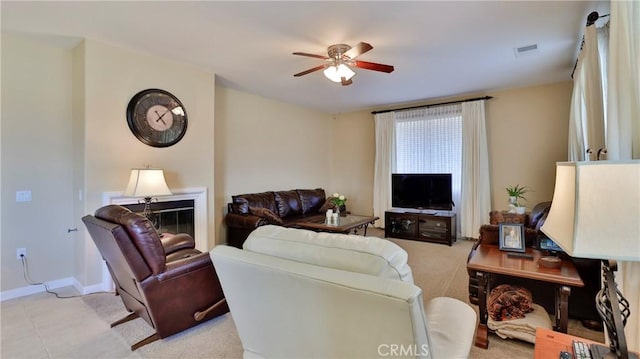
439,48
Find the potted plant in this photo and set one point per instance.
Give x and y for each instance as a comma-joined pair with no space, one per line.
516,193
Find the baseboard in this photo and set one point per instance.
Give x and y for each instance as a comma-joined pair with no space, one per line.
55,284
33,289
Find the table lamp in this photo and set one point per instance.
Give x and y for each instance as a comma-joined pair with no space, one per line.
595,213
147,183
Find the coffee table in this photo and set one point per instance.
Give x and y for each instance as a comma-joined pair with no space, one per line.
346,224
488,259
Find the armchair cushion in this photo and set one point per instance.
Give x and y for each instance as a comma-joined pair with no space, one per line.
367,255
311,305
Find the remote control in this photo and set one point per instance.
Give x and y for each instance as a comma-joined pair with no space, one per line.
521,255
581,350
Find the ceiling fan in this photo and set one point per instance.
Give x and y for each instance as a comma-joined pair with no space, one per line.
337,66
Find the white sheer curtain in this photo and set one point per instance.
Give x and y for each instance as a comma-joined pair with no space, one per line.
440,139
429,140
476,192
385,157
615,70
623,129
587,116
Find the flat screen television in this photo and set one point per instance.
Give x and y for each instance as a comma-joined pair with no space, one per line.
430,191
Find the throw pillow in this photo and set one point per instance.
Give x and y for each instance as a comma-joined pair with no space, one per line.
329,205
266,214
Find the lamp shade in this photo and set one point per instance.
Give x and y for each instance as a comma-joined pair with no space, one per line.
147,182
336,73
595,211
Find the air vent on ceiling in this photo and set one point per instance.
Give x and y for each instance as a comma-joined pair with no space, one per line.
526,50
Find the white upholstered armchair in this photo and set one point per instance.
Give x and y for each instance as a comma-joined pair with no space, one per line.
297,293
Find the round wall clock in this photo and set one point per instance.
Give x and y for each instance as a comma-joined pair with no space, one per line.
157,118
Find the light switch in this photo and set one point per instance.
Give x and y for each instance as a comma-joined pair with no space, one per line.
23,196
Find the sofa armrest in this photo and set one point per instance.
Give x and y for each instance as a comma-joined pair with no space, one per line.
175,242
244,221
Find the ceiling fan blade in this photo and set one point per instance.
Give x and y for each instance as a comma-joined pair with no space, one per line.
311,55
373,66
309,71
346,82
358,50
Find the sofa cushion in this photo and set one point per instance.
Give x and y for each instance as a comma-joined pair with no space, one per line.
242,202
271,217
368,255
288,203
311,199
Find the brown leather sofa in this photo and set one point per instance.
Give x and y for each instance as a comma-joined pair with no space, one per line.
589,269
165,281
247,212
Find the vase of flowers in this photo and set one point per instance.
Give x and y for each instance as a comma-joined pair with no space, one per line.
338,201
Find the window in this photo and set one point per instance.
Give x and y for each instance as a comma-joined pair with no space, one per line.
429,140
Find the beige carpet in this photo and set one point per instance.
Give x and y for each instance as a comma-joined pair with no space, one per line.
438,269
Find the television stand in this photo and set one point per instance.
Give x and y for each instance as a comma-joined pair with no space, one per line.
423,211
438,227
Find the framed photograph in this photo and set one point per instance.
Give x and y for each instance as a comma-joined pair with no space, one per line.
512,237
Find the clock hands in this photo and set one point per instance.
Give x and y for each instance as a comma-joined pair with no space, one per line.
161,116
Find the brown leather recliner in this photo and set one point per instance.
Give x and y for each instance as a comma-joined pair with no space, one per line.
165,281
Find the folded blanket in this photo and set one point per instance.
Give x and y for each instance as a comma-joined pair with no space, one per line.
524,328
508,302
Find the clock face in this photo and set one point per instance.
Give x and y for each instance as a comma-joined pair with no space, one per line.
157,118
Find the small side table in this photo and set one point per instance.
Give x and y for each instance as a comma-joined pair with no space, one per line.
488,259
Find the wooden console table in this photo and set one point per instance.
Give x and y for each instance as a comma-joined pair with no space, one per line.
489,259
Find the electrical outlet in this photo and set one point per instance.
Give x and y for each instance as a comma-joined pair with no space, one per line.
21,252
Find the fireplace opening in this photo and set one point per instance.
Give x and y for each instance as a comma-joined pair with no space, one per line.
170,216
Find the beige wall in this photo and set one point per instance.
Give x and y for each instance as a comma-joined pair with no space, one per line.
236,143
354,153
36,150
112,76
527,132
266,145
66,134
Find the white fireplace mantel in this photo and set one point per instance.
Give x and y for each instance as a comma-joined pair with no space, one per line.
197,194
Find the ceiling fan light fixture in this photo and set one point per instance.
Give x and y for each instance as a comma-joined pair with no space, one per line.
336,73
